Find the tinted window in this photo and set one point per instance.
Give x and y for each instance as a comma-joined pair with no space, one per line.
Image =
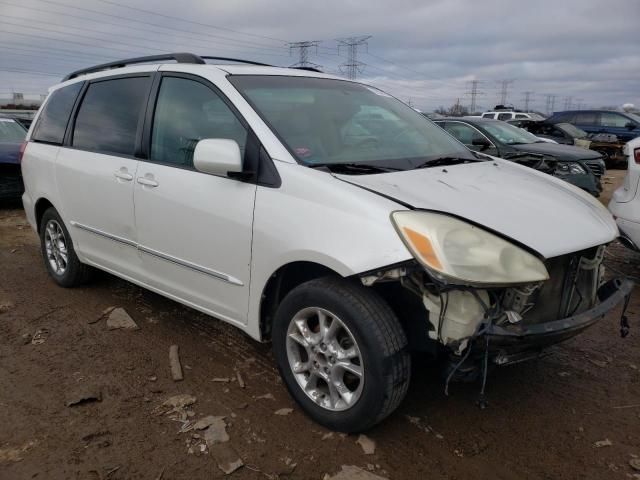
521,115
108,117
504,116
613,120
585,118
11,131
188,111
53,119
488,115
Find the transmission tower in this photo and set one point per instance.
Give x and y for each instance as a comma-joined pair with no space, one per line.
527,99
303,52
568,102
352,66
473,93
504,90
551,103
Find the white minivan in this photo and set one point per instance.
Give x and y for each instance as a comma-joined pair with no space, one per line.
320,214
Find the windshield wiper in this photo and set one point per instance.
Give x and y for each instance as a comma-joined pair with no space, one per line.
362,168
444,161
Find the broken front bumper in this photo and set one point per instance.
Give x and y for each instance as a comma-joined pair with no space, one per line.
522,337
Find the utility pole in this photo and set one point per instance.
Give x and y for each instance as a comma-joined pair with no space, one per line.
527,99
473,93
579,103
551,103
352,66
504,90
303,52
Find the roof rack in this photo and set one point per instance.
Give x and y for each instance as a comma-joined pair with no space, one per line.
178,57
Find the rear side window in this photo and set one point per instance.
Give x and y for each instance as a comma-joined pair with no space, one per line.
53,119
585,119
521,115
108,117
488,115
504,116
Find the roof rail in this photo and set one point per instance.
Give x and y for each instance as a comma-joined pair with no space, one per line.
237,60
178,57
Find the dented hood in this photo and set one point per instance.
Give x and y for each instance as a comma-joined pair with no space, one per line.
548,215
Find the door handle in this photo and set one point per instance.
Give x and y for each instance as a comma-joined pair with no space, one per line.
123,175
148,182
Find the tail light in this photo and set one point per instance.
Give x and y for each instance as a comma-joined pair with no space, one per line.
636,155
24,146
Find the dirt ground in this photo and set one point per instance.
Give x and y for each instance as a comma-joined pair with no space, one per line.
572,415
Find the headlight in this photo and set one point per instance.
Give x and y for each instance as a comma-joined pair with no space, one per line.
458,252
566,168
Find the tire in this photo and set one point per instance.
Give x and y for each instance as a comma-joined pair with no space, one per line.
367,327
59,256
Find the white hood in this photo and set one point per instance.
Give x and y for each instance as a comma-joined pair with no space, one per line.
547,214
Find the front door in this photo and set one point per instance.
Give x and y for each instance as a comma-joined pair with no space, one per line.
194,229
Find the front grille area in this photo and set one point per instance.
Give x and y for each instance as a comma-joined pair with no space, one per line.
571,289
596,166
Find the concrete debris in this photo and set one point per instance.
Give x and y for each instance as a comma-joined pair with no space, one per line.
368,445
327,436
284,411
175,404
226,457
603,443
40,336
221,379
216,432
15,454
85,394
266,396
118,318
635,463
206,422
241,383
174,364
351,472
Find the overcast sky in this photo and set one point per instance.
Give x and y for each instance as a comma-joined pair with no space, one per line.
424,51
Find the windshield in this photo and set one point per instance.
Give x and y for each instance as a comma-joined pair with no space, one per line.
508,134
326,122
11,131
572,130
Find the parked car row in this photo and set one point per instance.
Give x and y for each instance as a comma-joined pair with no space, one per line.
322,215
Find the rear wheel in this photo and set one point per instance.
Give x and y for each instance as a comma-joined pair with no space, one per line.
58,253
342,353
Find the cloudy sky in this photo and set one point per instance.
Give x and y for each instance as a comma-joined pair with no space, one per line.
584,52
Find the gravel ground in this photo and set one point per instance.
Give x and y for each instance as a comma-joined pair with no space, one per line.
572,415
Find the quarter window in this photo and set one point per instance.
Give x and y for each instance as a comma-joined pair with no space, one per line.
186,112
109,114
53,119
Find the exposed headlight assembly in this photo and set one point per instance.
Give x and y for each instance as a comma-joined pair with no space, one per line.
457,252
570,168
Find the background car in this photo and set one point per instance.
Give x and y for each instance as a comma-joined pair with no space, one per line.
625,126
578,166
12,136
567,134
625,203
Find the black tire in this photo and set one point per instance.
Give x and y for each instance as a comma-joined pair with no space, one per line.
379,336
75,273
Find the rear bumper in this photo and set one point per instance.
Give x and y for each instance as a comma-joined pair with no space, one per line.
518,338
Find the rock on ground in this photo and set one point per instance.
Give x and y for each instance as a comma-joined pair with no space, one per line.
119,319
368,445
351,472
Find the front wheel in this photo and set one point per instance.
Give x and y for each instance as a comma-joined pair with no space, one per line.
342,353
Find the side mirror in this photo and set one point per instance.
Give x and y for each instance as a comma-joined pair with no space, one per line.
631,126
218,156
481,142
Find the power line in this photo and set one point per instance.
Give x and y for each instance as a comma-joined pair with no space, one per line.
49,50
352,66
303,52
